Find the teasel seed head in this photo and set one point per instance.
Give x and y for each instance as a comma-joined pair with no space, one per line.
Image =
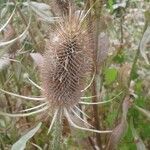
67,61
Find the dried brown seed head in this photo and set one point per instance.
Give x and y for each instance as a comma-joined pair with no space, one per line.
67,60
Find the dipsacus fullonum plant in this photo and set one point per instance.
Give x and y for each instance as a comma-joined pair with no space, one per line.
73,56
64,67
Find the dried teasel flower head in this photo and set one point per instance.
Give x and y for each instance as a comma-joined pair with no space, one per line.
64,68
67,61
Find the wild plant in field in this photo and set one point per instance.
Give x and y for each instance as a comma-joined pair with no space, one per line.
67,62
63,69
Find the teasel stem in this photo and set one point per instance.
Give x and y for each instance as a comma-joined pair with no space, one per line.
56,144
136,56
120,50
95,86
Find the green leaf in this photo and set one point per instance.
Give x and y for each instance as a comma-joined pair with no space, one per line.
110,75
119,58
111,117
138,87
145,129
21,143
110,4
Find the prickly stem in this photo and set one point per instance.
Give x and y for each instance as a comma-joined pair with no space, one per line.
57,145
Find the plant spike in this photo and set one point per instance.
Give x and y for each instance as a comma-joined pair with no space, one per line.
81,128
23,97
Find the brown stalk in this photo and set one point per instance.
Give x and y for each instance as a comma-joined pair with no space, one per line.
96,116
119,51
92,143
95,89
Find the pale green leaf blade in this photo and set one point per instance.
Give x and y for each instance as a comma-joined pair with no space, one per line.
21,143
42,10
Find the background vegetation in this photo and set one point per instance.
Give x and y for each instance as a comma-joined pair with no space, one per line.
121,29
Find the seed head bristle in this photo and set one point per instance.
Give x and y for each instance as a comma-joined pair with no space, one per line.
67,61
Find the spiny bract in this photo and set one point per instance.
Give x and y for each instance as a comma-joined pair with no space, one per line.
67,61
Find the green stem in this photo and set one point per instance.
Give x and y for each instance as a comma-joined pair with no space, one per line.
134,65
56,145
136,56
